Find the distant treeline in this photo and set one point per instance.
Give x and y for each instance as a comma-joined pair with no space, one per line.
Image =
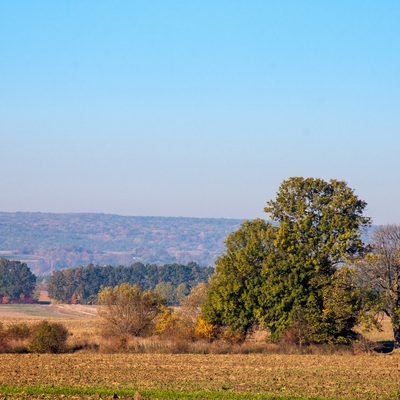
81,285
50,242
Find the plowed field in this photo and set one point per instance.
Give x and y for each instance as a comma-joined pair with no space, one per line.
337,377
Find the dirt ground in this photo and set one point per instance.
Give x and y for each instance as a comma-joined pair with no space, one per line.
334,376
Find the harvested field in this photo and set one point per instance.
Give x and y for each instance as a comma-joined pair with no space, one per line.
337,377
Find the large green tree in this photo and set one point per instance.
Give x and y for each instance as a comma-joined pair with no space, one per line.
291,276
320,226
17,282
237,284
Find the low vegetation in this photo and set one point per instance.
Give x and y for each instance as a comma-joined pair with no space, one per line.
41,337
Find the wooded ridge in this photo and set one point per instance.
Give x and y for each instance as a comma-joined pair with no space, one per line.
48,242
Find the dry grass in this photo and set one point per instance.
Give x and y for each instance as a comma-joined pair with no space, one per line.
81,321
40,311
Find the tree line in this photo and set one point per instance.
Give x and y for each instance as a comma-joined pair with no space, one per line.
82,285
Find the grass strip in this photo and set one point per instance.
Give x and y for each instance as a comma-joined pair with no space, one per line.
41,390
214,395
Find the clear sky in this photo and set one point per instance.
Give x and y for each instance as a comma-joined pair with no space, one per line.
196,108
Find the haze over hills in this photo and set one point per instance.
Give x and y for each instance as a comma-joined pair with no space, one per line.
48,242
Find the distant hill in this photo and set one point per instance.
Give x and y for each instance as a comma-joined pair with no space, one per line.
49,242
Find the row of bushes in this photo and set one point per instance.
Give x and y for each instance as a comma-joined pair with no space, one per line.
180,338
42,337
133,320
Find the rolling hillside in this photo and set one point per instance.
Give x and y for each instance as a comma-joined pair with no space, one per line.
48,242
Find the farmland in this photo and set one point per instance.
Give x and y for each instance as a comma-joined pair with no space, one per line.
338,376
102,374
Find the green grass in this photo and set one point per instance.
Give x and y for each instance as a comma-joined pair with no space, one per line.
50,391
31,310
43,310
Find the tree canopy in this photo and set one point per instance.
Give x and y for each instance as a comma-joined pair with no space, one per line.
319,229
290,276
17,282
236,286
83,284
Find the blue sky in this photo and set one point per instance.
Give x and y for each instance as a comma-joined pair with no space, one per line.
196,108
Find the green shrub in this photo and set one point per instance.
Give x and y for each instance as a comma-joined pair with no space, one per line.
19,331
48,338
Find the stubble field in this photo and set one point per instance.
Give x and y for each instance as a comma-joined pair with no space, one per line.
96,375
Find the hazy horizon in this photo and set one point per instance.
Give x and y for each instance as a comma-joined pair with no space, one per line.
113,214
196,109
